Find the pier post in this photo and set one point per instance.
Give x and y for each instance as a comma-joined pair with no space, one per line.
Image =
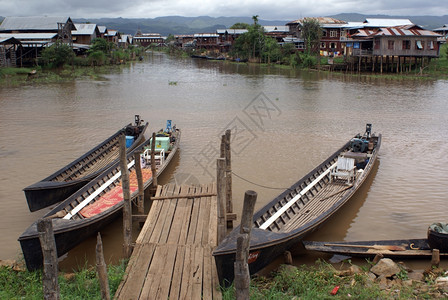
241,266
50,259
101,269
153,164
127,209
435,259
229,204
221,197
141,191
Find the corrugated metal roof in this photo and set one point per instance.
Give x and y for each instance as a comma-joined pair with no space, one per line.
231,31
102,29
205,35
32,23
29,36
372,22
406,31
276,28
84,29
321,20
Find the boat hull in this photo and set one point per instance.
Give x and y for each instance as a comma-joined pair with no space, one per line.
50,191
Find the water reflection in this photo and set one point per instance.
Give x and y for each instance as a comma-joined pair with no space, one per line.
44,127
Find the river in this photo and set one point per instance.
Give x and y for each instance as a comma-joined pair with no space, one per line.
284,123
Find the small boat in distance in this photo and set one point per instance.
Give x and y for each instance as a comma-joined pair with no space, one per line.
64,182
412,248
100,201
301,209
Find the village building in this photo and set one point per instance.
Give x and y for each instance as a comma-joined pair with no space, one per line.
442,31
333,31
125,41
112,36
34,34
207,41
184,41
227,37
85,33
147,39
103,31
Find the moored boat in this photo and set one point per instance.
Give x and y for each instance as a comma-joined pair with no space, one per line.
100,201
64,182
411,248
302,208
438,236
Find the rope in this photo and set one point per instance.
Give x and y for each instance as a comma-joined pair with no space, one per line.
260,185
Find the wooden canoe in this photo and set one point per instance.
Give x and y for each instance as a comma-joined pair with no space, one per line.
64,182
95,205
411,248
302,208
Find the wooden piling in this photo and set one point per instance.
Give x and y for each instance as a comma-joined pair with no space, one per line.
127,209
221,198
50,259
141,190
228,158
153,163
241,266
287,257
101,269
435,260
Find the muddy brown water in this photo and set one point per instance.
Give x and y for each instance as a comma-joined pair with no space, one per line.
285,123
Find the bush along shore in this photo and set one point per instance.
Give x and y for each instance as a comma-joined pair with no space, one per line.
383,280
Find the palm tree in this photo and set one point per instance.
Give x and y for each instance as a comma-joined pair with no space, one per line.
255,18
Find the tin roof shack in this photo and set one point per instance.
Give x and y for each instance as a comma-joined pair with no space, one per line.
442,31
185,41
333,32
112,36
35,33
103,31
227,38
85,33
9,47
277,32
395,49
207,41
125,41
147,39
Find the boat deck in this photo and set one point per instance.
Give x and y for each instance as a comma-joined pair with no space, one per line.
172,257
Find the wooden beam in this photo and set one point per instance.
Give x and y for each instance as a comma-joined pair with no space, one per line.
221,198
127,209
102,269
141,189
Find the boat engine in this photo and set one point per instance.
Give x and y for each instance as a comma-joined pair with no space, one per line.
359,145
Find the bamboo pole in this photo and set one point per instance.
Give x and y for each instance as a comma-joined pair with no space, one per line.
241,266
50,259
141,190
153,163
127,210
101,269
221,198
229,203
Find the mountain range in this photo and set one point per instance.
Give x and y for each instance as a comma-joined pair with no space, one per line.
205,24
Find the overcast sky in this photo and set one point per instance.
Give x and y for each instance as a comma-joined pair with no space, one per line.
268,10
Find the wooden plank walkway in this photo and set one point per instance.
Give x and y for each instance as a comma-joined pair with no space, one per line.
172,257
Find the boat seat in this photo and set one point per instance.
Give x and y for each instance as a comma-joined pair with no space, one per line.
345,169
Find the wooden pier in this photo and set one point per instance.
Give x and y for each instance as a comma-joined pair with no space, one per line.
172,257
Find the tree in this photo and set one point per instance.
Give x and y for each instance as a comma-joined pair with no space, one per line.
58,55
240,25
100,44
311,34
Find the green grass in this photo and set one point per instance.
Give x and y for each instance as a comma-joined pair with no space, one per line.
80,285
317,282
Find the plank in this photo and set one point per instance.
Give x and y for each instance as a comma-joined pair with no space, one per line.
216,289
206,219
165,280
202,216
193,222
168,221
197,269
213,228
177,272
150,223
186,223
178,218
137,272
207,284
152,280
185,289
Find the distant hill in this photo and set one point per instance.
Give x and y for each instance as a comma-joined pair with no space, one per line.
174,24
428,22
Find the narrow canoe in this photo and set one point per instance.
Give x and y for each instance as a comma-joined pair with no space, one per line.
302,208
411,248
64,182
96,204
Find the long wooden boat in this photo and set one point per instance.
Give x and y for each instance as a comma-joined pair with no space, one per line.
411,248
99,202
64,182
299,210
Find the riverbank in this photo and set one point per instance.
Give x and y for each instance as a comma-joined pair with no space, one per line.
384,280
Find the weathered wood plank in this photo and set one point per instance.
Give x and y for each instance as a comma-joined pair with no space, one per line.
207,284
196,275
152,280
213,232
177,273
193,221
167,273
185,289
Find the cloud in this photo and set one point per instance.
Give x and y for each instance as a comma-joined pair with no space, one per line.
283,9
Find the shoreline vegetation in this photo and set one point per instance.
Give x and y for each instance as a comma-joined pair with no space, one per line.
94,66
382,280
